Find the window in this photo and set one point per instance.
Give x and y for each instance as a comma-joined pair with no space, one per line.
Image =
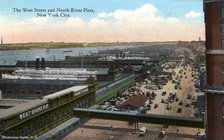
9,92
80,105
222,44
37,92
51,92
222,67
23,92
77,105
222,102
222,13
222,29
89,101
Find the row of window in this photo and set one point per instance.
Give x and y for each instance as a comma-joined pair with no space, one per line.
44,121
36,86
47,119
222,33
57,117
84,103
23,92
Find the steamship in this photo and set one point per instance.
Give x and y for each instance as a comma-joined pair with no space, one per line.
51,74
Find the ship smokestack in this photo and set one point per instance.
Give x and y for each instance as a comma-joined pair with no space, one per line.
37,63
42,63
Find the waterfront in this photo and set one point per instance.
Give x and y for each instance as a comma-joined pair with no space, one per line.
10,57
167,62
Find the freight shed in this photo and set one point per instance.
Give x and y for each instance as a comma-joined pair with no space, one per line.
33,89
135,102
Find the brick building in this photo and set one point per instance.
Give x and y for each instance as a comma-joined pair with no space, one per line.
214,23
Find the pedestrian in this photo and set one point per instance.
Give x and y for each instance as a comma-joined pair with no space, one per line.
177,130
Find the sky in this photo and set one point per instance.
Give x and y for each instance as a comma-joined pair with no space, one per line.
101,20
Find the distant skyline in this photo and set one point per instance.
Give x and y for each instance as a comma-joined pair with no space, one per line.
111,21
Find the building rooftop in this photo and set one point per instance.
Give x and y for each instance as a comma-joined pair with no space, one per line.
12,102
64,92
20,108
136,101
40,82
9,103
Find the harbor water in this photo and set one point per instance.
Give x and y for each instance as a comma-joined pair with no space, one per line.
10,57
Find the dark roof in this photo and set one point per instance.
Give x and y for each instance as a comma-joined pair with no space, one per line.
136,101
40,82
90,80
112,67
129,67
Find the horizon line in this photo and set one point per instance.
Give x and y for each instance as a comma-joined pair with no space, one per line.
52,42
